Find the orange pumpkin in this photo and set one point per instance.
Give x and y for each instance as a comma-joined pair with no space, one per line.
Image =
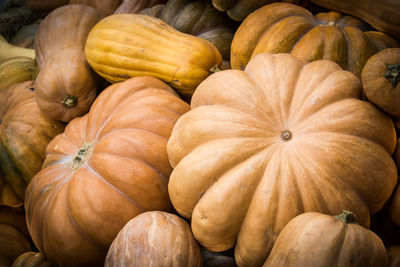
66,85
320,240
288,28
107,167
281,138
152,239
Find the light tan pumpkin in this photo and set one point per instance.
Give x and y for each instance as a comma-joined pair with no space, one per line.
154,239
261,146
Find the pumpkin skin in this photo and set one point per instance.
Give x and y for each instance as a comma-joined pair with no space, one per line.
107,7
24,134
320,240
8,51
197,18
154,238
25,37
288,28
393,253
260,146
128,45
118,150
66,85
32,259
380,78
383,15
17,70
134,6
14,236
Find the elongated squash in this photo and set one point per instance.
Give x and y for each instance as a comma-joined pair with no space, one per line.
122,46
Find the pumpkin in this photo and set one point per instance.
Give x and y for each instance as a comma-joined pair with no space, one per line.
107,7
32,259
44,5
154,238
118,151
197,18
383,15
395,207
134,6
128,45
393,253
319,240
261,146
25,37
380,78
66,86
17,70
14,236
8,51
216,259
24,135
288,28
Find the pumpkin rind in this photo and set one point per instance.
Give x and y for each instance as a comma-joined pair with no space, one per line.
128,45
61,58
287,28
134,6
381,85
17,70
154,238
260,146
118,150
315,239
32,259
107,7
24,135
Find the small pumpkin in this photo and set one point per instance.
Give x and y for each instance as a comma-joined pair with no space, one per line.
118,151
281,138
14,236
134,6
288,28
107,7
66,86
128,45
8,51
32,259
24,135
381,80
154,239
393,253
197,18
319,240
17,70
25,37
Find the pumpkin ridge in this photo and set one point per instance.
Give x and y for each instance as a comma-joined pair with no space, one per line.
343,243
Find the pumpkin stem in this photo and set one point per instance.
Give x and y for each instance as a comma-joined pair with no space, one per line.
393,73
286,136
81,156
347,217
214,68
69,101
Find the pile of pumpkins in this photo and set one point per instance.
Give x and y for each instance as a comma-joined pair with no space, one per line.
201,133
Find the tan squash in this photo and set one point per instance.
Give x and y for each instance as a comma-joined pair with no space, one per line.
380,78
107,167
288,28
17,70
128,45
154,239
66,86
134,6
281,138
8,51
320,240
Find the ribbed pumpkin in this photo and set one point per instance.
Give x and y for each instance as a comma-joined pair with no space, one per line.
261,146
320,240
197,18
380,78
107,7
107,167
17,70
134,6
288,28
127,45
24,135
32,259
14,236
154,239
66,85
393,253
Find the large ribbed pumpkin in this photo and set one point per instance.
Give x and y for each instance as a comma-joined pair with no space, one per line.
24,135
107,167
66,85
260,146
128,45
288,28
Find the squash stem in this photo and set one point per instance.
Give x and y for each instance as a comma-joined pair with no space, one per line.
81,156
347,217
393,73
69,101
